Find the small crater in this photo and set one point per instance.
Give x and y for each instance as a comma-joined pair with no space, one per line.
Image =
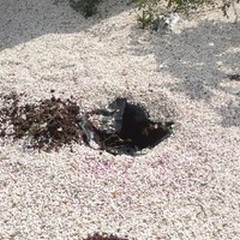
120,128
124,128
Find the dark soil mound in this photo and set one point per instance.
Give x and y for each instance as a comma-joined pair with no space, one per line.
48,124
97,236
120,128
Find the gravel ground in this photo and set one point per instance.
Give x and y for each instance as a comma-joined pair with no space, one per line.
187,187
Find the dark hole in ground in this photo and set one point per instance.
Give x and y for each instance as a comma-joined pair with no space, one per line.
124,128
120,128
98,236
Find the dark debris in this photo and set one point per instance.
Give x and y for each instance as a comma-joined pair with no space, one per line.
125,128
98,236
50,123
234,77
120,128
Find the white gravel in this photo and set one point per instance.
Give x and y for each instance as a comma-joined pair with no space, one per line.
187,187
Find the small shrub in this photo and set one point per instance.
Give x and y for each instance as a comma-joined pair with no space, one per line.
149,11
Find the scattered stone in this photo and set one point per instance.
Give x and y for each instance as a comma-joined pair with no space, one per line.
164,24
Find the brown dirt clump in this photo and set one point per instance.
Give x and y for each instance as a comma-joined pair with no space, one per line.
97,236
120,128
48,124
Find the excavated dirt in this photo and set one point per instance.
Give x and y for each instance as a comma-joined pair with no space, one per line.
120,128
49,124
97,236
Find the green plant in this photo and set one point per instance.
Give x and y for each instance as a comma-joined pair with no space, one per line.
185,6
86,7
149,10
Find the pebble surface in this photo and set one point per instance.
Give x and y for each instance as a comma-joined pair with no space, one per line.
187,187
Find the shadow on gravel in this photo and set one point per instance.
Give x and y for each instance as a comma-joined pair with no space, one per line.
200,58
24,20
231,114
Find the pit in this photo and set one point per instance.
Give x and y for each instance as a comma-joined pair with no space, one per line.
120,128
124,128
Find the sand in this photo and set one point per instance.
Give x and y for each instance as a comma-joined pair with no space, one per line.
187,187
